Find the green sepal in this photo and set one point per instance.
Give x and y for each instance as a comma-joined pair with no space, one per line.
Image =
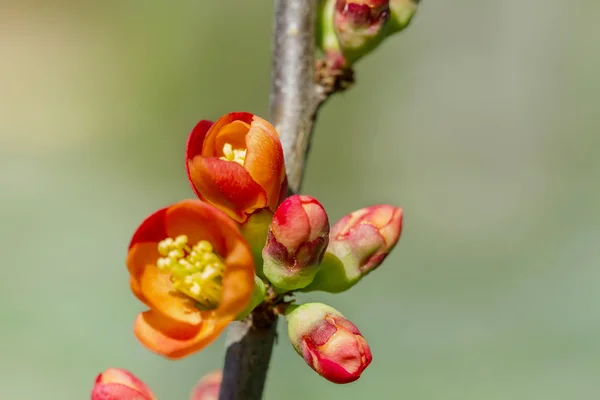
401,13
297,279
255,231
334,275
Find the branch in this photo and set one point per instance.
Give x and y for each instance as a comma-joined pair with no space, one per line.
249,346
295,96
295,100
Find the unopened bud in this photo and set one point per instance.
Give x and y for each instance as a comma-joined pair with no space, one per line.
119,384
208,387
358,243
328,342
296,242
360,26
402,12
350,29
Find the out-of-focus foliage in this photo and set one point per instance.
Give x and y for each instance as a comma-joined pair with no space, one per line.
481,120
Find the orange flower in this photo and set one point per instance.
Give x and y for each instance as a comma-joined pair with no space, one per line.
191,266
236,164
120,384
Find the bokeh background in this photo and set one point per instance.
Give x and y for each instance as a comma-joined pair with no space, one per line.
481,120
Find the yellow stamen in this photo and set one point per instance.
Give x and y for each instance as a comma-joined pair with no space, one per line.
235,155
195,271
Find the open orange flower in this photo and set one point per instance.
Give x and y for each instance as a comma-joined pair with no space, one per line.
236,164
191,266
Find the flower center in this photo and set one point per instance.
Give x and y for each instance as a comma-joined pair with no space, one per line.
195,271
235,155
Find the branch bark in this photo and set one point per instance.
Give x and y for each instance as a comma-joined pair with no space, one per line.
249,346
294,93
295,99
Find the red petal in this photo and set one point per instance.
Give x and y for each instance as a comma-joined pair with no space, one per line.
117,391
152,229
227,185
194,144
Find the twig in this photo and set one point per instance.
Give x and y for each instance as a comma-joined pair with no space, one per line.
249,346
295,100
294,94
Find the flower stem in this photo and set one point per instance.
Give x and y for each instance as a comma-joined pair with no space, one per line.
295,100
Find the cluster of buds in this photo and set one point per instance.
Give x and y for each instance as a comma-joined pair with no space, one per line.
350,29
199,264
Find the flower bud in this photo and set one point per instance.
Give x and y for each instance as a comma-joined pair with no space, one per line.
119,384
208,387
350,29
360,26
329,343
402,12
359,242
296,241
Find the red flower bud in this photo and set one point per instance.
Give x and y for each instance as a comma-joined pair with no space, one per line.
208,387
360,25
328,342
358,243
296,241
119,384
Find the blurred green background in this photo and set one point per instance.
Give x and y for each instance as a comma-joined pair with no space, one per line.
481,120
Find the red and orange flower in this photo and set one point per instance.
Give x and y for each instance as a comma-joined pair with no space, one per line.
236,164
191,266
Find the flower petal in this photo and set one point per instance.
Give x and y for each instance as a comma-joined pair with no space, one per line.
227,185
157,289
194,144
208,387
117,391
208,146
264,159
120,384
152,229
175,340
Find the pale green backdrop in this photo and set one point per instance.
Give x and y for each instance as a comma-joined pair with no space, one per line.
481,121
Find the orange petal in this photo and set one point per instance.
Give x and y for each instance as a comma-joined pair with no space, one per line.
174,340
264,159
199,221
157,289
226,185
233,131
238,283
141,255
